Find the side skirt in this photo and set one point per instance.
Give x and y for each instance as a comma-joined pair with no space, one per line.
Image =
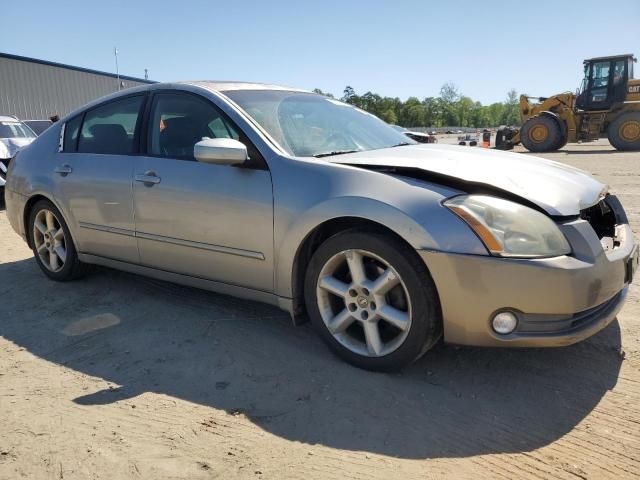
283,303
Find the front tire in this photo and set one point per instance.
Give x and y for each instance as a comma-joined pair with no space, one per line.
372,300
624,132
52,245
541,133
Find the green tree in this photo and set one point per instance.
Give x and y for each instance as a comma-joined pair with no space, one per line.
511,114
450,108
320,92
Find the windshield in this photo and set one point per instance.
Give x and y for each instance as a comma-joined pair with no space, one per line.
15,130
310,125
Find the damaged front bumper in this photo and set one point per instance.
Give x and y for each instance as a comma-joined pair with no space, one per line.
557,301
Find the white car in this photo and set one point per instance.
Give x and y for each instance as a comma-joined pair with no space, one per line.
13,136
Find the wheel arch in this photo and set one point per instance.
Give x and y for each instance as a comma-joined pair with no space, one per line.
419,220
28,206
312,242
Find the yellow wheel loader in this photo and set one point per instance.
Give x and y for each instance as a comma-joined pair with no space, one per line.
607,104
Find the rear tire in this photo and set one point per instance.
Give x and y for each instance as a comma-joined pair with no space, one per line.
52,245
384,316
624,132
541,133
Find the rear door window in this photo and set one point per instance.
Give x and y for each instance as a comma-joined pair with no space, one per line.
111,128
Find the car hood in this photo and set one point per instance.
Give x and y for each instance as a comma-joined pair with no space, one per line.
558,189
10,146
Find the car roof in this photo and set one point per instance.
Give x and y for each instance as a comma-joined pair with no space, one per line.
8,118
221,86
213,86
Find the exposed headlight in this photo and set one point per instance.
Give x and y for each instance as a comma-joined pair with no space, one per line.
509,229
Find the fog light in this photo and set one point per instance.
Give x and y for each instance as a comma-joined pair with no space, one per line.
504,323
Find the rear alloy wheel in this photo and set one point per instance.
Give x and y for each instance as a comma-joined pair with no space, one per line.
624,131
374,307
541,133
49,240
52,245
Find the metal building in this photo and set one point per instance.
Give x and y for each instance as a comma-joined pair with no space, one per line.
37,89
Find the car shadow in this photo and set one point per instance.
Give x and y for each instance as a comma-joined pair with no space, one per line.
246,358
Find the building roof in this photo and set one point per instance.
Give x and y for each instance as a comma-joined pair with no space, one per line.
72,67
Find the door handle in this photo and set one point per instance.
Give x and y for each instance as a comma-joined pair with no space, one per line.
63,170
148,178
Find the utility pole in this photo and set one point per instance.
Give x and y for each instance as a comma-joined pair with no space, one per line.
115,53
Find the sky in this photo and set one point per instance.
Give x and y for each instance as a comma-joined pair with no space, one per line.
398,48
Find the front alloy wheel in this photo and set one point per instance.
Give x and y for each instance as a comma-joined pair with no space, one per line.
372,300
364,303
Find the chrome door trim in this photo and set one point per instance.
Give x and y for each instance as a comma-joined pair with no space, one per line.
175,241
203,246
104,228
61,139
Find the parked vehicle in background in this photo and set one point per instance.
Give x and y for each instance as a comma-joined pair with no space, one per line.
417,136
313,205
468,139
38,126
13,135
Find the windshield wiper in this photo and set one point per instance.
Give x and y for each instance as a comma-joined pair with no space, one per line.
401,144
337,152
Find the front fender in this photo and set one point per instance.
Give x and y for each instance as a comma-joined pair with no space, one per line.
432,228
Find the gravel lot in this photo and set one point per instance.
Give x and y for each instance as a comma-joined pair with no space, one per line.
119,376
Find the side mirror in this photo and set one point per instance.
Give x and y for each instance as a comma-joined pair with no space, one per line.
220,151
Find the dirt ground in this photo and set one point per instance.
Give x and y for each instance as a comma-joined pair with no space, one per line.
118,376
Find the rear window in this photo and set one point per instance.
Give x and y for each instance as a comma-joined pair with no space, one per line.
15,130
38,126
111,128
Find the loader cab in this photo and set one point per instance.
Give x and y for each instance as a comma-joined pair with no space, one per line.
605,81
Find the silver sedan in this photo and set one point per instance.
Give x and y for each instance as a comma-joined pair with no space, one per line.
302,201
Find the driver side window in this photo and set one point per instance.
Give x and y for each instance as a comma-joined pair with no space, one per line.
178,121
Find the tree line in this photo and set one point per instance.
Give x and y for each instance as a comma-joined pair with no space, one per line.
450,108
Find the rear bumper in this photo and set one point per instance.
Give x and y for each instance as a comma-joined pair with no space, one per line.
558,301
15,204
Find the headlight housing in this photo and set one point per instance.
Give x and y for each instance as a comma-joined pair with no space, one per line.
509,229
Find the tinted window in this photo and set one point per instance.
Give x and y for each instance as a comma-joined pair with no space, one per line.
111,128
38,126
178,121
71,129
